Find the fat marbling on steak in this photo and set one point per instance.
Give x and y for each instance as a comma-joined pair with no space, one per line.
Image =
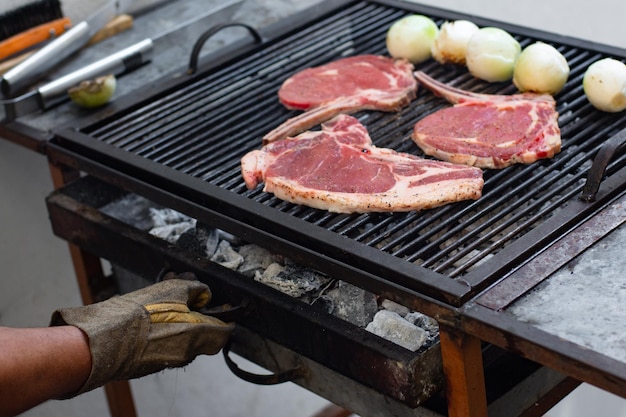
363,82
488,130
339,169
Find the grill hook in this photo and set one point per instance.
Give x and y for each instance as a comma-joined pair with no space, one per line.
195,53
269,379
228,313
600,162
224,312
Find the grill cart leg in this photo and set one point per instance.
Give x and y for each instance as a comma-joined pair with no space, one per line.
463,370
92,284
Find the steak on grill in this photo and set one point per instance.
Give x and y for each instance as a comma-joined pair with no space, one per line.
363,82
339,169
488,130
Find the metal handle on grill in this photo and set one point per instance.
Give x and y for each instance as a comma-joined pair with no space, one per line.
269,379
195,53
227,312
600,162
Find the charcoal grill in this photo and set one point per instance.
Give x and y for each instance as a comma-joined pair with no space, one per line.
188,137
178,142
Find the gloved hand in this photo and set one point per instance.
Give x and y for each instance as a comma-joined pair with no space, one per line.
146,331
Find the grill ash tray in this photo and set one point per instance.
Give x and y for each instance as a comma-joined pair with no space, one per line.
82,213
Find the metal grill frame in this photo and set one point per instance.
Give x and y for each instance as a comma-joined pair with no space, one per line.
325,250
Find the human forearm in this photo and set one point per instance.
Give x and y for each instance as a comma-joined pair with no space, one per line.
40,364
124,337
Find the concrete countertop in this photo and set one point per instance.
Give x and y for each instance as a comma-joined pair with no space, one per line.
583,302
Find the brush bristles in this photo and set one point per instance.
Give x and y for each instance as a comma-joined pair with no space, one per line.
28,16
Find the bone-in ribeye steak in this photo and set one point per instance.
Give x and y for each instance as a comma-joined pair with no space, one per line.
339,170
488,130
363,82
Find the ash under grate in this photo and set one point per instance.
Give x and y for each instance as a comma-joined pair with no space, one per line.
389,320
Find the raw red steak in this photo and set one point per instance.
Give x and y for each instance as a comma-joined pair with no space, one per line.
339,170
488,130
364,82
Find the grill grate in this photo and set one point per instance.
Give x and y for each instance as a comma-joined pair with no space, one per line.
202,127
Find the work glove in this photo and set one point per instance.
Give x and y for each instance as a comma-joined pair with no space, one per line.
146,331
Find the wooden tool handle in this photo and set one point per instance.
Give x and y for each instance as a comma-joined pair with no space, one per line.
117,25
33,36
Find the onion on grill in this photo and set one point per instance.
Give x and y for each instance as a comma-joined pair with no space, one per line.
540,68
411,38
491,54
604,84
450,45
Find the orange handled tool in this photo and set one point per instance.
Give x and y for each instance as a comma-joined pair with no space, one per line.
34,36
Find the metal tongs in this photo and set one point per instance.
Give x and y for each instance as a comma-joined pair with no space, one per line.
37,65
122,61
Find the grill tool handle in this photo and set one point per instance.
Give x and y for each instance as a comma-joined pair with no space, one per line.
195,53
600,163
122,61
37,64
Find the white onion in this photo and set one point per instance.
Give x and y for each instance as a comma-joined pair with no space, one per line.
604,84
411,37
491,54
93,93
450,46
540,68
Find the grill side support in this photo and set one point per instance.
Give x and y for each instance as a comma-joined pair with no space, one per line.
463,370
